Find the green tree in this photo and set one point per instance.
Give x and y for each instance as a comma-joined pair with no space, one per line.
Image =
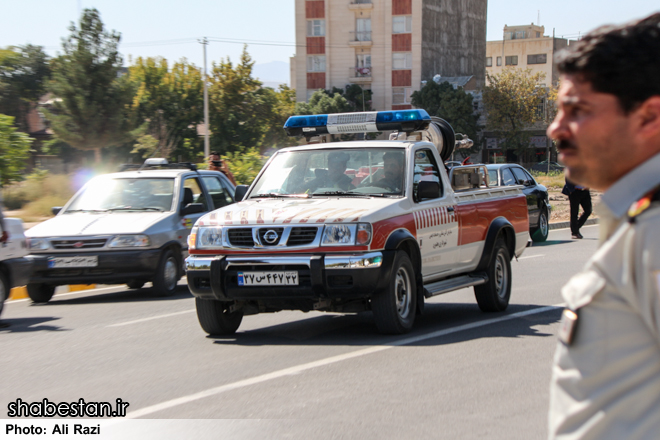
245,164
92,105
321,102
24,71
512,100
283,103
452,105
169,102
14,150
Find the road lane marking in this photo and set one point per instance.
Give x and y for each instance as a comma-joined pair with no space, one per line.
327,361
80,292
531,256
151,318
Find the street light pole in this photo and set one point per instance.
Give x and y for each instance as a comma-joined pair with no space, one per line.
207,148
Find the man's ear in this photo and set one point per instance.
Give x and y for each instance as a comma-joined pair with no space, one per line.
649,118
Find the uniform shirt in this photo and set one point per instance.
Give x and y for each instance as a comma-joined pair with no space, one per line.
606,381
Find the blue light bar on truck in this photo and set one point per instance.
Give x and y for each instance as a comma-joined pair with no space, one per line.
362,122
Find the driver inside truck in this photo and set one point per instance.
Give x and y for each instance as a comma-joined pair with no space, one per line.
335,176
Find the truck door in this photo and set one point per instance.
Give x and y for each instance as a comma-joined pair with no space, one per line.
437,226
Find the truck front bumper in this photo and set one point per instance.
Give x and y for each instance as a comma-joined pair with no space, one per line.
328,276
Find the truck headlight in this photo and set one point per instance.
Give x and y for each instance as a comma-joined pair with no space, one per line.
346,234
122,241
38,244
209,237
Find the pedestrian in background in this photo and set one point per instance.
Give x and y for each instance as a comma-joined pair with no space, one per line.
606,372
216,164
577,196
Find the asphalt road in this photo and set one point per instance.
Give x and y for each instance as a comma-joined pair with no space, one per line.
461,374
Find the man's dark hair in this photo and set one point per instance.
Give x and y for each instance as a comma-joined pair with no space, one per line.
214,153
623,61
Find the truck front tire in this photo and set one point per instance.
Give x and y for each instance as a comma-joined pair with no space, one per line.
215,317
40,293
493,296
394,309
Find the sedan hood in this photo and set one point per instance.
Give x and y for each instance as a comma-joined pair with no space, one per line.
67,225
316,210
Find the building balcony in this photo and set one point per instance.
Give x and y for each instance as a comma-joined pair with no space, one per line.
360,4
360,39
359,75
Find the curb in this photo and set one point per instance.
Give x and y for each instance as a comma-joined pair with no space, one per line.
564,225
21,291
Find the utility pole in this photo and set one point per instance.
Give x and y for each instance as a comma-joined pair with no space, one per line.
204,42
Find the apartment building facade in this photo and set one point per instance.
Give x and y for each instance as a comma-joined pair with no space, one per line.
386,46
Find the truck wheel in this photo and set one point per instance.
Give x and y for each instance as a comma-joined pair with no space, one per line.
493,296
215,317
540,233
167,275
394,309
135,284
40,293
4,291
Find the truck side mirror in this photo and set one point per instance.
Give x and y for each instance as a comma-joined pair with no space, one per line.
240,192
192,208
428,190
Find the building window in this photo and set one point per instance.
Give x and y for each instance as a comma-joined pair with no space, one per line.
363,60
316,28
316,63
538,35
489,61
401,60
519,35
401,95
363,29
499,61
537,59
511,61
402,24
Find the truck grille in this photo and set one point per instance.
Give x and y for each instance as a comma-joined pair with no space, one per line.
79,244
240,237
302,236
262,233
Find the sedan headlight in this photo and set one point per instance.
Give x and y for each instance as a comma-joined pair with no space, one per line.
208,237
346,234
38,244
122,241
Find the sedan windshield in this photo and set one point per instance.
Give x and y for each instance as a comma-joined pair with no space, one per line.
348,172
103,195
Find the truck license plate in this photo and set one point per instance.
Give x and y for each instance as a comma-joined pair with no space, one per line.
268,278
65,262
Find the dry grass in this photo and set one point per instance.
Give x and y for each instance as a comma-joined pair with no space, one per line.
38,194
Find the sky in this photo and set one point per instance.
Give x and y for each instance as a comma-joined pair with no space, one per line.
172,28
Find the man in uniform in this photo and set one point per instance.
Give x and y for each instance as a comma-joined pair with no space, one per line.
606,372
393,170
334,176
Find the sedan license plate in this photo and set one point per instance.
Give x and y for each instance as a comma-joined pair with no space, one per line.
65,262
268,278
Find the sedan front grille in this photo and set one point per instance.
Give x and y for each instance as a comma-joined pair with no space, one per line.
79,244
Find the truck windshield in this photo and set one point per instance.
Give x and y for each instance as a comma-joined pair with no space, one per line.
104,194
334,172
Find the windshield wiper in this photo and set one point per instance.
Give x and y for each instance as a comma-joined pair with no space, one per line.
134,208
277,195
351,193
84,210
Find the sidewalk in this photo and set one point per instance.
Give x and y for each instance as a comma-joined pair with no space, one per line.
564,225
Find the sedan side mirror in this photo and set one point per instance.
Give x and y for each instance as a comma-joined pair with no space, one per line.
56,210
192,208
240,192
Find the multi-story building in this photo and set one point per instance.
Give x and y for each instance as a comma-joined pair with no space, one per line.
524,47
386,46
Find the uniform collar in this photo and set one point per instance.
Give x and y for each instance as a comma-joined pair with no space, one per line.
632,187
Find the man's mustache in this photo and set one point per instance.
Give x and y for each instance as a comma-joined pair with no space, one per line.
565,145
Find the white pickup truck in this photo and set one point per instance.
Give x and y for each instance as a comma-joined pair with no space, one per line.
353,226
14,267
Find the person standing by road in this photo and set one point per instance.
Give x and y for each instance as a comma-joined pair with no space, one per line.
606,373
578,196
216,164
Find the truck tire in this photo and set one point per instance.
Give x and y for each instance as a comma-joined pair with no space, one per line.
4,291
215,317
493,296
167,275
394,309
40,293
540,233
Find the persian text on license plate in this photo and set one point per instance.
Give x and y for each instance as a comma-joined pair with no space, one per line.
268,278
64,262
